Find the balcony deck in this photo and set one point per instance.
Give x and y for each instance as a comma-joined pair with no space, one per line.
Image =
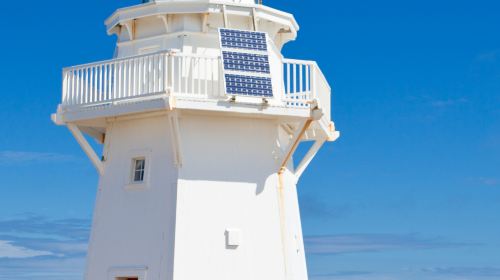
168,80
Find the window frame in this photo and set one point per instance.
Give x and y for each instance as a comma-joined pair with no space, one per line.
136,169
132,157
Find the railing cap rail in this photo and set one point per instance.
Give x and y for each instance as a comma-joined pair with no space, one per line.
121,59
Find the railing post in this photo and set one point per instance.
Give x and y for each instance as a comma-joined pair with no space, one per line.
65,88
170,85
314,75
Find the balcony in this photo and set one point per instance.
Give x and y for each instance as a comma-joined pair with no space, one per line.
185,81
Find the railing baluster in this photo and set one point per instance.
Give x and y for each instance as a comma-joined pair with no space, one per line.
101,86
294,78
288,79
108,81
180,61
90,84
206,61
147,79
77,87
119,79
301,77
198,75
165,73
65,88
70,87
189,76
94,84
128,79
308,73
134,77
156,70
86,85
139,74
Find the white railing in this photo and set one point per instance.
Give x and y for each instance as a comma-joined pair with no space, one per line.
183,75
304,82
140,76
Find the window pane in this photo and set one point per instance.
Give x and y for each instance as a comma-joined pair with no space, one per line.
139,167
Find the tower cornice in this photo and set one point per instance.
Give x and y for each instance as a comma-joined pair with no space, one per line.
122,16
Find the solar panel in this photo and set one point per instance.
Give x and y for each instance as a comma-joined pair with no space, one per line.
236,39
249,86
246,62
245,57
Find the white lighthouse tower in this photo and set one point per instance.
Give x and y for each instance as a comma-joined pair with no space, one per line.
199,116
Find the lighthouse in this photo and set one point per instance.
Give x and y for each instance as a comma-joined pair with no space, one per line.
199,116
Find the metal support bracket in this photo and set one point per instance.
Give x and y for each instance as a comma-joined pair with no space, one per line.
86,147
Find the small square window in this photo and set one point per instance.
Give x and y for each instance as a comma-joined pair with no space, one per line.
139,166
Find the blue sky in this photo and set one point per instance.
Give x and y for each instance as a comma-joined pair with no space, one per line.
410,191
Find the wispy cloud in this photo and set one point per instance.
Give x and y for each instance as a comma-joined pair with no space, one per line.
488,57
472,272
8,250
340,274
42,268
357,243
40,226
17,157
444,103
489,181
34,236
312,207
34,247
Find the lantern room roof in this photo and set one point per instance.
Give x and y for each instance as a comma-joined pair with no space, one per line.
123,15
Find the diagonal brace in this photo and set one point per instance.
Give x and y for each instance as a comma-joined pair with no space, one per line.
86,148
294,144
309,157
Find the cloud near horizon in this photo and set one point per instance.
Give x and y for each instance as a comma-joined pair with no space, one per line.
361,243
10,251
34,247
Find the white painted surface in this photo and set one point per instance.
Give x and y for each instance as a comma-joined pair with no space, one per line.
179,217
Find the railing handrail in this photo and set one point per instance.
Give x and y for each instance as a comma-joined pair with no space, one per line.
126,58
299,61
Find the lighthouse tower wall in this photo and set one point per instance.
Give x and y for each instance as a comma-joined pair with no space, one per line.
228,185
133,225
177,224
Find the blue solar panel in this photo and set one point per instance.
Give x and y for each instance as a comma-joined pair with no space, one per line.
248,40
245,58
249,86
246,62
